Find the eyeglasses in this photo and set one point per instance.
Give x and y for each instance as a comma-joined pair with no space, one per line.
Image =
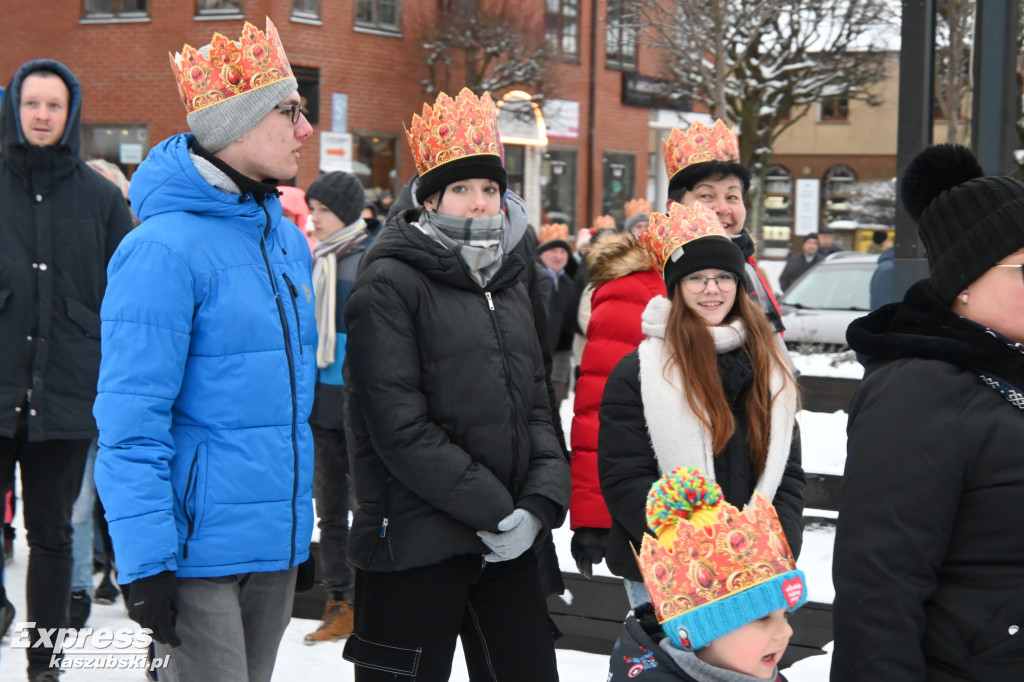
1011,265
295,109
696,284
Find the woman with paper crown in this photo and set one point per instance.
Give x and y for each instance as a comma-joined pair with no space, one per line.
721,582
703,165
458,473
929,555
709,388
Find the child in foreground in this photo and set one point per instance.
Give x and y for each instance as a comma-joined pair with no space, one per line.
721,584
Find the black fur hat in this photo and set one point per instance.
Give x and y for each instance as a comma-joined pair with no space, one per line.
967,221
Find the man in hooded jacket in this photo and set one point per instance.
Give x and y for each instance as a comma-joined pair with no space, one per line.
60,225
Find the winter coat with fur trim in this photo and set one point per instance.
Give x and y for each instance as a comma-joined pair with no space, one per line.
929,555
449,423
647,429
625,281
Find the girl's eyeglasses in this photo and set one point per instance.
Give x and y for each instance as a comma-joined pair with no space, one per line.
696,284
1011,265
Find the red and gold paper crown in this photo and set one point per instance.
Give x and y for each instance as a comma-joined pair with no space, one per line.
699,144
637,206
453,129
707,549
553,231
230,68
666,232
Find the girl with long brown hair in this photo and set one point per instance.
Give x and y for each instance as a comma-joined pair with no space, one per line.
710,387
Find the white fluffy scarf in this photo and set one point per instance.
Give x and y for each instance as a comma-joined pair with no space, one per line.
677,435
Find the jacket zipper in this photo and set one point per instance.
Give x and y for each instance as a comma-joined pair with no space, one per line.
295,306
503,352
189,517
291,378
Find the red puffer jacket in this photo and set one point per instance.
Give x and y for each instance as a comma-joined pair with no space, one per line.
624,281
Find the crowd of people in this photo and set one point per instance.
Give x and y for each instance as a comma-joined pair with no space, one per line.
182,385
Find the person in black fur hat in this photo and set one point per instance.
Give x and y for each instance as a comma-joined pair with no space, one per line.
929,558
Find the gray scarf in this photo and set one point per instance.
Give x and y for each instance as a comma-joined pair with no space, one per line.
477,241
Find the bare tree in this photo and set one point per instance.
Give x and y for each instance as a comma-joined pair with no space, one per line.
873,202
496,47
762,64
954,33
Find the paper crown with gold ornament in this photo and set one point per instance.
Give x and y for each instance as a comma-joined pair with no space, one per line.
456,139
228,86
699,144
636,206
554,236
687,239
712,568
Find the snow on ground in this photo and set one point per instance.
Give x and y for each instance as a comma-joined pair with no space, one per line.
824,439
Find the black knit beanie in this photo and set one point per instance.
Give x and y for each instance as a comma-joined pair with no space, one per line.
711,251
480,166
967,221
341,192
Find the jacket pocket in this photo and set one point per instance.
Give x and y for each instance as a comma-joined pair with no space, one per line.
4,295
398,659
383,538
1003,635
86,319
294,291
192,502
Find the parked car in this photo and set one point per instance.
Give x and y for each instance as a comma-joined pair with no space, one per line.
819,306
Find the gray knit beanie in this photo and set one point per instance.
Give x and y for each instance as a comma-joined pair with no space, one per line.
341,192
219,125
228,86
967,221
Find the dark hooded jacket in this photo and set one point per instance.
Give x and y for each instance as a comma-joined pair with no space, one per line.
61,223
448,418
929,555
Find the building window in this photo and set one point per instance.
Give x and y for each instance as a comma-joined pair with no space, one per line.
562,26
778,206
558,187
620,36
380,14
617,187
375,164
113,9
835,109
839,183
306,9
454,6
126,145
216,8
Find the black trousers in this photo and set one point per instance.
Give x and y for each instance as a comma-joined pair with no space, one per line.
51,476
407,622
331,488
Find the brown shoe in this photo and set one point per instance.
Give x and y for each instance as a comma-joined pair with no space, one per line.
337,623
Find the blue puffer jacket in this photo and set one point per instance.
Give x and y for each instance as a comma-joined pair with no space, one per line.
206,382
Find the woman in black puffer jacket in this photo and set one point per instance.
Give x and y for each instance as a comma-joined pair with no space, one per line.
457,470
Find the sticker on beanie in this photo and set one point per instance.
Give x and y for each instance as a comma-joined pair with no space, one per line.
684,638
792,590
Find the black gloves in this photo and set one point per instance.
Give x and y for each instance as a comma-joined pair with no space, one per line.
153,604
587,548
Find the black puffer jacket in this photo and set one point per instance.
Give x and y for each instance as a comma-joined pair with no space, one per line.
449,423
60,224
628,466
929,554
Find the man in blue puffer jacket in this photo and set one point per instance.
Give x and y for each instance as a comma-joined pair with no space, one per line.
209,361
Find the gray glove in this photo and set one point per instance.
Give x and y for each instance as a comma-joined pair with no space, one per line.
518,530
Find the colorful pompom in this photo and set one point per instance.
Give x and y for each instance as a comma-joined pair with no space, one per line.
678,495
